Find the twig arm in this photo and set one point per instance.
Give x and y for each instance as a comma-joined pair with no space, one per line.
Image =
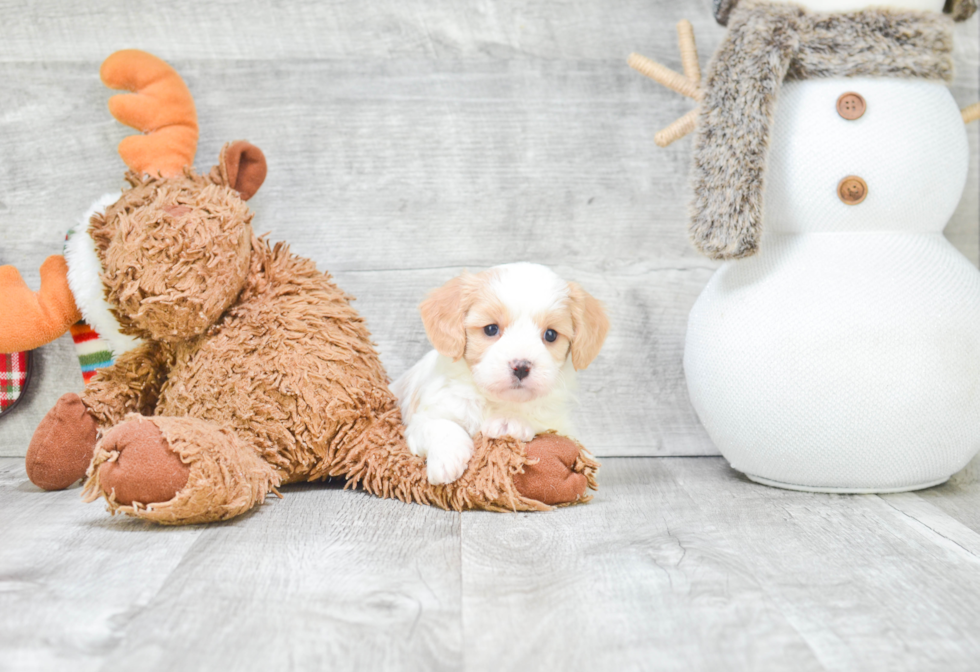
688,84
971,113
689,52
678,129
665,76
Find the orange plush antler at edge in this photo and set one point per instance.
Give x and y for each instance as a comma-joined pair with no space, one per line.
29,320
160,106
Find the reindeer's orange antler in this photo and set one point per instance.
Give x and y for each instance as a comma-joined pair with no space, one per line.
688,84
29,320
160,106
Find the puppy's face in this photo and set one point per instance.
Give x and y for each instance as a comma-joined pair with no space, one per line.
516,326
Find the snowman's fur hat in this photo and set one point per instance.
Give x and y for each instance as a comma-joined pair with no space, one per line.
765,44
960,10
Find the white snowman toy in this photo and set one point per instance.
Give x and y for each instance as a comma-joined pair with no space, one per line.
837,349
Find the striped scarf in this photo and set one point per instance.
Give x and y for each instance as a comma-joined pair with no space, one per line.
91,349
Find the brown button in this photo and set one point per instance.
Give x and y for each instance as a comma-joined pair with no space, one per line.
851,106
852,190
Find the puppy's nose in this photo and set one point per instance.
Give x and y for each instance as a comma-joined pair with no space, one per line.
521,368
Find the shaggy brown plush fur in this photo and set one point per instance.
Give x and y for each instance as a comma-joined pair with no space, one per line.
174,254
767,43
256,371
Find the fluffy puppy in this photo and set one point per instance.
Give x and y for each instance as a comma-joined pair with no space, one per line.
507,343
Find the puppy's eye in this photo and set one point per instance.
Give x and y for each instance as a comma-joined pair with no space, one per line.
491,330
550,335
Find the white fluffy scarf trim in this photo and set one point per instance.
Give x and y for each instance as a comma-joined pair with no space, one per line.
85,281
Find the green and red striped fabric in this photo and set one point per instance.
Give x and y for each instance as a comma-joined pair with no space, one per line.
14,372
91,349
15,369
93,353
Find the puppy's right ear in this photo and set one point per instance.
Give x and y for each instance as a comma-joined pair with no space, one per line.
591,326
443,311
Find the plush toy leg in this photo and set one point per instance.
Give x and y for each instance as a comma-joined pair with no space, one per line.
177,471
145,468
503,474
558,471
62,445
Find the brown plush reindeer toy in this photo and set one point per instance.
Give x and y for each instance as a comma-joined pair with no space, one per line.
238,366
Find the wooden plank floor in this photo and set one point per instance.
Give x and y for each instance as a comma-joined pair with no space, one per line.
678,564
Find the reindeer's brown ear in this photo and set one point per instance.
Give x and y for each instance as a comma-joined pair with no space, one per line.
242,167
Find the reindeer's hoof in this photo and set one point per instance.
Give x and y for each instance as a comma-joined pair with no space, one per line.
557,477
146,470
62,446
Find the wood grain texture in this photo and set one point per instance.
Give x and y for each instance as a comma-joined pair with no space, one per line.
71,577
871,582
638,579
959,498
323,579
47,30
407,141
678,564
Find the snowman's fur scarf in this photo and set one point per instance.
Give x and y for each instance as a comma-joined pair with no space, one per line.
767,43
959,10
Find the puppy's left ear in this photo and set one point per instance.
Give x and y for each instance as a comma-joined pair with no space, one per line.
590,323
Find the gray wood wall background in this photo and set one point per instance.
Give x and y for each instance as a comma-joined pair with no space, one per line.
408,140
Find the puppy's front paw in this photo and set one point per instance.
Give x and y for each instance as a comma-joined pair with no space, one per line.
498,427
449,455
446,446
415,438
445,466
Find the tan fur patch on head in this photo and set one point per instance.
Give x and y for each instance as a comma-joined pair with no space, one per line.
175,253
448,313
486,309
561,321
